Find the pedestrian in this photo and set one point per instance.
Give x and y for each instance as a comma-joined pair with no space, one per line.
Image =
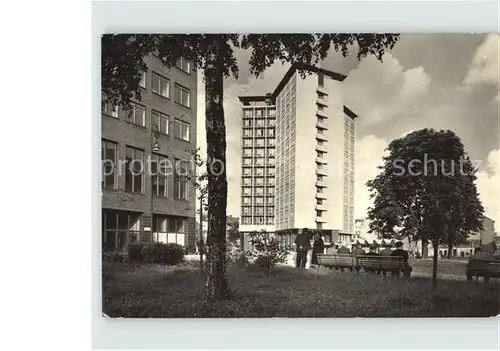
318,248
303,245
403,253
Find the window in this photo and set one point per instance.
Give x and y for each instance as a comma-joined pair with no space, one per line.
270,181
108,158
247,181
247,171
247,211
247,122
259,171
271,122
182,95
271,112
259,112
259,132
181,130
259,142
270,191
247,162
160,174
259,200
108,109
270,220
117,225
319,201
270,142
134,172
247,152
247,201
270,132
161,120
160,85
259,181
183,65
259,191
169,230
247,142
142,82
248,113
137,115
247,191
247,133
246,220
259,122
259,211
270,201
181,189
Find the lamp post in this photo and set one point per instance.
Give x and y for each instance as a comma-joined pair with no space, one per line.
155,135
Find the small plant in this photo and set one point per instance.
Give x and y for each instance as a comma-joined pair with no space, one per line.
267,250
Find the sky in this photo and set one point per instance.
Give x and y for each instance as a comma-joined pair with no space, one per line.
427,81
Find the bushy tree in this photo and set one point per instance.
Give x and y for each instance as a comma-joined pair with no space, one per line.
426,185
267,251
122,62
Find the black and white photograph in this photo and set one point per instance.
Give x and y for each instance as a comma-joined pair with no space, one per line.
300,175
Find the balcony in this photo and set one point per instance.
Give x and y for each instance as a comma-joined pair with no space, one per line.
321,148
321,113
321,160
321,101
322,171
320,207
320,220
321,196
321,124
321,136
321,89
320,184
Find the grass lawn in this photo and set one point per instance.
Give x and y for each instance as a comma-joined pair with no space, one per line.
166,292
453,267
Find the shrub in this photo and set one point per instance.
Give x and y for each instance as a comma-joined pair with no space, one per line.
134,253
160,253
116,257
268,251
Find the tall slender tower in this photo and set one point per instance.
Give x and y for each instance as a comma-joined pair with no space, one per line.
314,152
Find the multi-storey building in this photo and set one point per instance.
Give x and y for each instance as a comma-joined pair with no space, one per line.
308,139
145,192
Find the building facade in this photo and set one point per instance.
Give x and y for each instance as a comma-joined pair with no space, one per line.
146,195
303,142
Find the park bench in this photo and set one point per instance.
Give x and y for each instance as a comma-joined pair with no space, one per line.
383,264
485,268
337,261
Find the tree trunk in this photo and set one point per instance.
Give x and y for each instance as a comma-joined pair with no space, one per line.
424,248
435,246
216,287
202,244
450,249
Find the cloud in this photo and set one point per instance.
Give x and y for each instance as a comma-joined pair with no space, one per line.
369,152
381,91
488,185
484,67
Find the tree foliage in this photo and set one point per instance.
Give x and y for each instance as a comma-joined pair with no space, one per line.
123,59
426,186
233,225
267,250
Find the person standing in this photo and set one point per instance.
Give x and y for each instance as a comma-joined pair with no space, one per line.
318,248
303,245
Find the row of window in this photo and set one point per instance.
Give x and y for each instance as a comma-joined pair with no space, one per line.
258,152
137,116
258,211
259,112
160,85
248,133
135,169
257,201
247,181
258,171
247,161
257,220
259,123
259,191
261,142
